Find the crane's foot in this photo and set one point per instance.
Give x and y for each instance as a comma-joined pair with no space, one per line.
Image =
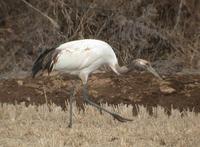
120,118
70,125
90,102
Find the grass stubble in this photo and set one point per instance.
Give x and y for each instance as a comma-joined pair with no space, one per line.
46,126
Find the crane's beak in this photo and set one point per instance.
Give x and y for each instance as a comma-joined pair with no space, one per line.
152,70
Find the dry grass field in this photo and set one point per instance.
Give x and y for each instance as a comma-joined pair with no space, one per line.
46,126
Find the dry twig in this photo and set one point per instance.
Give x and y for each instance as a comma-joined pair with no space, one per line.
53,22
179,15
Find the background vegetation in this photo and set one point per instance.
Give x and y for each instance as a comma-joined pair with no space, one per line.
158,30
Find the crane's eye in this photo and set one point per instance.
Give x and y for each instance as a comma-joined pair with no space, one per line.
148,64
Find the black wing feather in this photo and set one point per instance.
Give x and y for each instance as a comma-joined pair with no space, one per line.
44,61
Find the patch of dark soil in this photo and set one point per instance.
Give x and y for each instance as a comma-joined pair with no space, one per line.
134,89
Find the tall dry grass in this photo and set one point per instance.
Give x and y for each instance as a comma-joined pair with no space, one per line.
44,126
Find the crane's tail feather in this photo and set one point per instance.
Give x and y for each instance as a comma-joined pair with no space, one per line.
45,61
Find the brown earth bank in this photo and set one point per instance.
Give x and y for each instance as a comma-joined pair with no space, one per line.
179,92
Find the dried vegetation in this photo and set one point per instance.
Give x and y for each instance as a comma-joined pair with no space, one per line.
153,29
47,126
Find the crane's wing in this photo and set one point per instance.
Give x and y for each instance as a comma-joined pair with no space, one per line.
44,61
75,58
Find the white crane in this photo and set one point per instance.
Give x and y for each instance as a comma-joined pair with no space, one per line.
81,58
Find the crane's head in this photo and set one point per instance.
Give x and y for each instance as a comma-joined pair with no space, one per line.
145,65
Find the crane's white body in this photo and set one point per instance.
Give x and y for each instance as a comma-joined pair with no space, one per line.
81,57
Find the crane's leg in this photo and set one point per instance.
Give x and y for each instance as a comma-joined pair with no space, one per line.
88,101
70,106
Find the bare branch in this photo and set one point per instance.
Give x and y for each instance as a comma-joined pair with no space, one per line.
179,15
53,22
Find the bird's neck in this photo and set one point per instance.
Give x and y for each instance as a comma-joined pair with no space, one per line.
134,65
124,69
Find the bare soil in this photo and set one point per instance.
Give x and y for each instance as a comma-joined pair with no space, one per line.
133,89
